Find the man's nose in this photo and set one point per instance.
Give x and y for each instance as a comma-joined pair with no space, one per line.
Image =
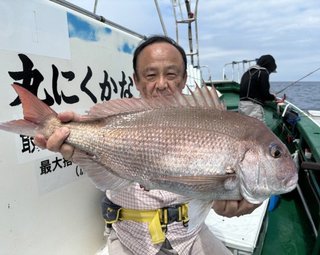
162,83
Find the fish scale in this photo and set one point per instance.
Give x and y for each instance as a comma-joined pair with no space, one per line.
170,142
188,145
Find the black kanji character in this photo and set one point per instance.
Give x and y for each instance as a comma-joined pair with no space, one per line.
45,167
69,76
125,92
27,144
56,163
105,85
67,163
31,78
84,84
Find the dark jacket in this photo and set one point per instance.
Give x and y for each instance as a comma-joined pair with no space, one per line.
255,84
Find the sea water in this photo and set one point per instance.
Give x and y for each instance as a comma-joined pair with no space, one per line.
305,95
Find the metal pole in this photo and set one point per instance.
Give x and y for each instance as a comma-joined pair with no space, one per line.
189,30
196,27
95,6
160,17
174,4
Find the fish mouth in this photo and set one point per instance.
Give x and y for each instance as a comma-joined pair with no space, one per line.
264,190
290,183
286,185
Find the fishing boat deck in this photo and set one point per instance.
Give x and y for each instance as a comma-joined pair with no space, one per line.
289,231
239,233
292,226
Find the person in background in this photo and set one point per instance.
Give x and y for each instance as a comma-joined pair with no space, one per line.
255,86
254,92
159,69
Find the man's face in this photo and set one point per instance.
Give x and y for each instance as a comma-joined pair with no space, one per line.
160,70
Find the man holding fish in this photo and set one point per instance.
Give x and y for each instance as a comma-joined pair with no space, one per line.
159,70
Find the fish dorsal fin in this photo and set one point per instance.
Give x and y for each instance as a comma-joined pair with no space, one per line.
201,97
207,98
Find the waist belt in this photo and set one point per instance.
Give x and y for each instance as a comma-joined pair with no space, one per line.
157,219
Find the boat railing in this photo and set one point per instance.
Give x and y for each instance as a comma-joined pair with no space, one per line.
237,69
289,105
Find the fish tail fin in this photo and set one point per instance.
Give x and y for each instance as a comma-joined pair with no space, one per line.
21,127
34,111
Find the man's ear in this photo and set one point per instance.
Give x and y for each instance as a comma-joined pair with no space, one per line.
136,81
185,77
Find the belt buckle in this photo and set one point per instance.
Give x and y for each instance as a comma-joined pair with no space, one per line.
173,214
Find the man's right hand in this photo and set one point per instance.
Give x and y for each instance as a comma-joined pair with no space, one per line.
55,142
231,208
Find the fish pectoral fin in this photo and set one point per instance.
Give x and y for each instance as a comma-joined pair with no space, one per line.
102,177
199,180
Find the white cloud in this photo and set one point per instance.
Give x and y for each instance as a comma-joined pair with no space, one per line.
234,30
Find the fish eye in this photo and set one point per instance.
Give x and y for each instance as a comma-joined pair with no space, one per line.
275,150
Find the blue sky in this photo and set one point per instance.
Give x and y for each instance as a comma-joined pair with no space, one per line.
233,30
